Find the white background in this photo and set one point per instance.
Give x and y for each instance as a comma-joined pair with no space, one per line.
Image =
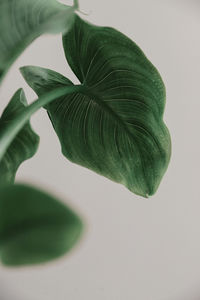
133,248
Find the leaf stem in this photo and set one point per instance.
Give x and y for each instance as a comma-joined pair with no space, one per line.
17,124
76,4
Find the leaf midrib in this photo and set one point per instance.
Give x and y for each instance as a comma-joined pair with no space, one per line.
87,92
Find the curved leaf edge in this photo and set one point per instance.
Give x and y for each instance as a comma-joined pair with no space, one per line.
13,235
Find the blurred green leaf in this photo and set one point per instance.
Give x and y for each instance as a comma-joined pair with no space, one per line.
21,21
114,124
25,144
34,227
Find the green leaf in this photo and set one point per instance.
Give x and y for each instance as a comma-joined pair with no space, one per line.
114,124
34,227
24,145
22,21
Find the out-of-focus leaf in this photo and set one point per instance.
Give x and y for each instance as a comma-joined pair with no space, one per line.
21,21
114,125
25,144
34,227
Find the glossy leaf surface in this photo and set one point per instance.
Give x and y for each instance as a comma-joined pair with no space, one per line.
34,227
23,146
114,125
21,21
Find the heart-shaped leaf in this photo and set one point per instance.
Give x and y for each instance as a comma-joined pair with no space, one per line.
114,124
21,21
23,146
34,227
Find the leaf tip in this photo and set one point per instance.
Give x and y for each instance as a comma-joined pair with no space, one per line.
33,75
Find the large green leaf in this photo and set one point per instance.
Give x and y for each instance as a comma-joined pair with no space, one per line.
34,227
21,21
114,124
23,146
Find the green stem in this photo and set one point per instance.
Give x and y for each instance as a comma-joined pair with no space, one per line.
17,124
76,4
